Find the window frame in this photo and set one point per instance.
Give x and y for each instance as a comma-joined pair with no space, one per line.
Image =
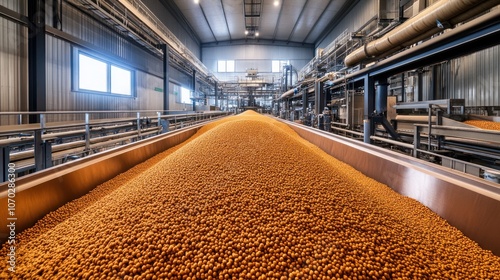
225,64
181,95
75,67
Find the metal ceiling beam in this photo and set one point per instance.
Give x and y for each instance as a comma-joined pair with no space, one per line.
261,41
297,21
208,23
317,20
225,20
278,21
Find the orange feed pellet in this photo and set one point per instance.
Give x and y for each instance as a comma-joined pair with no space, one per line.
246,198
484,124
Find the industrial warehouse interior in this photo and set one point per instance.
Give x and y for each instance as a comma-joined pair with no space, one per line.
250,139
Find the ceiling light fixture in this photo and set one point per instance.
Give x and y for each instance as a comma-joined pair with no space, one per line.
276,3
196,1
257,34
246,32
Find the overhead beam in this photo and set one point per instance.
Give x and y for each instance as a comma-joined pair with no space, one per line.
206,20
225,20
298,20
317,20
278,20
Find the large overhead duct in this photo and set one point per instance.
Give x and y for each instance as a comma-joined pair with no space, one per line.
425,23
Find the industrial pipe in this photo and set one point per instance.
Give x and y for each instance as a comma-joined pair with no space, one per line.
290,92
477,10
328,76
425,21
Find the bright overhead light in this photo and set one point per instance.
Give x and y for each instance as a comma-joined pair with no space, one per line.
246,32
256,33
276,3
196,1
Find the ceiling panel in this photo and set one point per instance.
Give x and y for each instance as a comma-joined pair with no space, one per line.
224,20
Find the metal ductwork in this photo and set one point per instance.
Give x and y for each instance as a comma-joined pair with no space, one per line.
423,24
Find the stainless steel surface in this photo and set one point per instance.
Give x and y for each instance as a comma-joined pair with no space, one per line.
491,136
447,104
43,192
468,203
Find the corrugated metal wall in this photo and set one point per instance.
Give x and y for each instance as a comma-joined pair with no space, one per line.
60,97
475,78
254,56
13,65
18,6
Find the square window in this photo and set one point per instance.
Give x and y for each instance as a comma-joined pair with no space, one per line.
221,66
186,96
92,74
121,81
230,66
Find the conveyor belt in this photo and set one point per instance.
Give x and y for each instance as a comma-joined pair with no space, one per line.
469,203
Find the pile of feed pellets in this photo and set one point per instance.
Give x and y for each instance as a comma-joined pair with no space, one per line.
484,124
246,198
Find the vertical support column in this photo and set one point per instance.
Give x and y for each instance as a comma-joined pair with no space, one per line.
38,151
420,85
319,98
4,163
216,90
403,90
429,142
193,86
166,75
87,133
286,79
139,134
304,103
416,141
381,96
369,106
439,121
37,95
43,149
56,13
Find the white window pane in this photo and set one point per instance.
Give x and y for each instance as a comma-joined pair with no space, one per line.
221,66
186,96
121,81
93,74
275,66
230,66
